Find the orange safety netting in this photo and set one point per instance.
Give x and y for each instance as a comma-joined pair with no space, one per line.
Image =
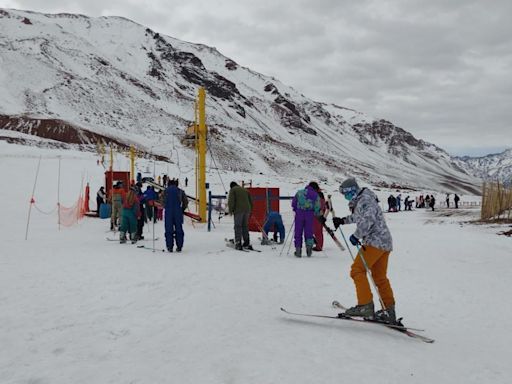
70,216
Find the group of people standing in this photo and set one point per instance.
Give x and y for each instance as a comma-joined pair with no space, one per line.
422,201
427,201
371,237
133,208
395,203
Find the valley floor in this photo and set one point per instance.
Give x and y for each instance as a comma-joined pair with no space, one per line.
76,308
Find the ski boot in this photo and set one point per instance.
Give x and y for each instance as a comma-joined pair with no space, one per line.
238,247
387,315
169,249
298,252
309,250
366,311
248,247
122,237
133,238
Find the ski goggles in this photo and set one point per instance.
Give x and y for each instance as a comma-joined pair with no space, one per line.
349,192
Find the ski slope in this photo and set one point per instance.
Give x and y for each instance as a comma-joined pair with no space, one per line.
78,309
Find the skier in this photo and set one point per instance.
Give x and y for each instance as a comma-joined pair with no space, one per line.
274,223
375,249
408,203
240,205
118,195
399,202
432,202
427,202
306,205
142,216
456,199
150,197
447,200
186,181
100,199
318,228
129,216
175,202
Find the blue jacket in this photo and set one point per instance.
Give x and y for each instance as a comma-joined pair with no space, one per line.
175,202
273,221
150,194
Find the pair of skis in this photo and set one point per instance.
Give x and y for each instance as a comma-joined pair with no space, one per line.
112,239
230,243
399,327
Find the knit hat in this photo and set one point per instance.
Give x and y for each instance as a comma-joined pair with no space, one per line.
349,185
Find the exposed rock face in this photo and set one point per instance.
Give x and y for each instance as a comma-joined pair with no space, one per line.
56,130
86,79
495,167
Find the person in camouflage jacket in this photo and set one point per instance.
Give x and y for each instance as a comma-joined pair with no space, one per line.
373,235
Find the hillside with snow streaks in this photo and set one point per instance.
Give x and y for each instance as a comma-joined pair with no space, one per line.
497,166
78,79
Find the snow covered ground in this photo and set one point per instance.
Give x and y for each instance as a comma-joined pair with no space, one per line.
75,308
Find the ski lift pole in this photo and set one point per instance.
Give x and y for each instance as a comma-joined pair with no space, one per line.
32,197
58,194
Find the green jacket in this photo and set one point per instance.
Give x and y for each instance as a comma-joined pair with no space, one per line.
239,200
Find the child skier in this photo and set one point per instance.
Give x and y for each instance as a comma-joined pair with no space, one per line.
376,247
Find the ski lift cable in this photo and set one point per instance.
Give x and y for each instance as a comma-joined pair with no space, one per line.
216,165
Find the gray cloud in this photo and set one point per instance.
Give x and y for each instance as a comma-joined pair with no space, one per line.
440,69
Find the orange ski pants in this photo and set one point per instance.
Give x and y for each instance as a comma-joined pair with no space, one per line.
377,262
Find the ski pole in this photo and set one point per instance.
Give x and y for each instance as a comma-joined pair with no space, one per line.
286,238
368,271
291,239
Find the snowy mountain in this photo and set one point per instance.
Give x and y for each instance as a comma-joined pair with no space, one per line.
76,79
497,166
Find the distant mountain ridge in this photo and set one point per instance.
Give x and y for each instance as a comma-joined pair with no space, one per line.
496,166
111,78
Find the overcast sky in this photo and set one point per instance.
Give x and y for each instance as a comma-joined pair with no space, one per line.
441,69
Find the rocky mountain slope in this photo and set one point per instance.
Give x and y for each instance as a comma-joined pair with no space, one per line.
497,166
78,79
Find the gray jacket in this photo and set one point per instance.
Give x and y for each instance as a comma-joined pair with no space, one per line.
371,227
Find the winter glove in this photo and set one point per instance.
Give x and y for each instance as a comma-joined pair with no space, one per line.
337,221
354,240
321,219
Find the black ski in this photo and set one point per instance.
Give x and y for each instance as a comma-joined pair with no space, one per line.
336,304
398,328
127,240
150,249
231,244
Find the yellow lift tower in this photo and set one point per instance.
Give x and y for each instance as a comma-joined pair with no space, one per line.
201,132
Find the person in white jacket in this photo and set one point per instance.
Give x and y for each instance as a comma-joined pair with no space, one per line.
373,235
